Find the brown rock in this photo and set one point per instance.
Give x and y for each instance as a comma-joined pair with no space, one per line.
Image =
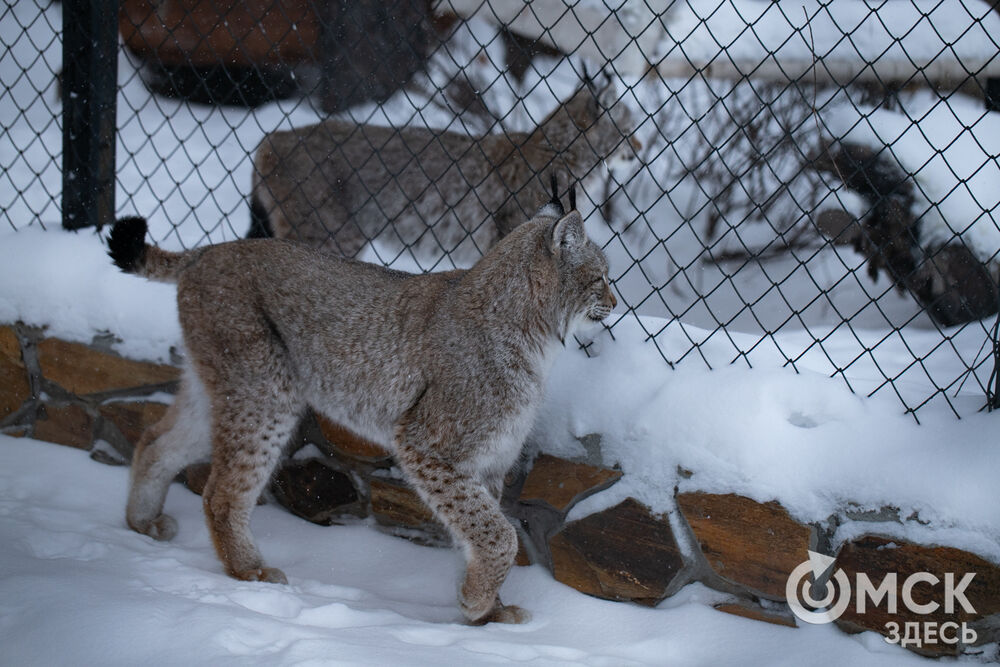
398,508
14,387
196,476
65,425
102,452
622,553
10,347
758,613
523,557
561,484
314,491
350,445
754,545
394,503
878,557
254,32
132,418
80,369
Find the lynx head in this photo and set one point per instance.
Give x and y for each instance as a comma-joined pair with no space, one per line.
593,122
582,269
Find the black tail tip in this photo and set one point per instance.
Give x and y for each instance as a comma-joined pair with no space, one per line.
127,243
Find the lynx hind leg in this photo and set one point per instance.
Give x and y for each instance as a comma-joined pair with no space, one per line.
248,438
180,438
472,514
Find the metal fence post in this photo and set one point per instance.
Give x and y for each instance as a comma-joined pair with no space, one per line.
89,89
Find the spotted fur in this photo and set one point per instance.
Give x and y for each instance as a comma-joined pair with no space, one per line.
445,369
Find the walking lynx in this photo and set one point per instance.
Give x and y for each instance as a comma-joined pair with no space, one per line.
445,369
339,185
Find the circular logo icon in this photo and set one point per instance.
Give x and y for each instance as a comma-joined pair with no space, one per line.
799,593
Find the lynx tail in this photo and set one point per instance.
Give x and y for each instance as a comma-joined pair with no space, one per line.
127,244
130,253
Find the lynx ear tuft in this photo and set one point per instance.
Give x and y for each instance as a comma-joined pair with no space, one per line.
568,232
552,208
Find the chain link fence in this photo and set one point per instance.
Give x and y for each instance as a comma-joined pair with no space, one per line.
808,184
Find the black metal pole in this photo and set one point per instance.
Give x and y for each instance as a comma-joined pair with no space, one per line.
89,89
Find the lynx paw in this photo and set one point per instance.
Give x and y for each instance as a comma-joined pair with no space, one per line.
271,575
504,614
162,528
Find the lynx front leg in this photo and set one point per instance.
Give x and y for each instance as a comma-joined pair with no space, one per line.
180,438
247,445
472,515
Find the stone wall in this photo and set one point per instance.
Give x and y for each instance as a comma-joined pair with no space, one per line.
87,397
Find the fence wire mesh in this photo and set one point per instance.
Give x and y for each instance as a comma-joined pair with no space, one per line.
810,184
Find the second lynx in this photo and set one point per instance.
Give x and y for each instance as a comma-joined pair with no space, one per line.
339,185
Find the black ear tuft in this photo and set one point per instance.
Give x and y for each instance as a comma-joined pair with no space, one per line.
127,243
554,202
572,197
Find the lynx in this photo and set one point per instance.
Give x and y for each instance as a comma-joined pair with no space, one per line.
445,369
340,185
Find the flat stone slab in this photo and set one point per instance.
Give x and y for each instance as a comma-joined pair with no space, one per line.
622,553
878,557
350,444
14,386
66,425
314,491
82,370
132,418
561,484
758,613
395,505
747,543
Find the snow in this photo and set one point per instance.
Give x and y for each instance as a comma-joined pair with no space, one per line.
789,429
918,34
61,280
951,148
768,433
77,586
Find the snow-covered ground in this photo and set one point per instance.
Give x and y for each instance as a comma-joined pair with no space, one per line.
768,433
78,587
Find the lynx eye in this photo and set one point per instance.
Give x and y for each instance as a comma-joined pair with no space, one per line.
601,280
